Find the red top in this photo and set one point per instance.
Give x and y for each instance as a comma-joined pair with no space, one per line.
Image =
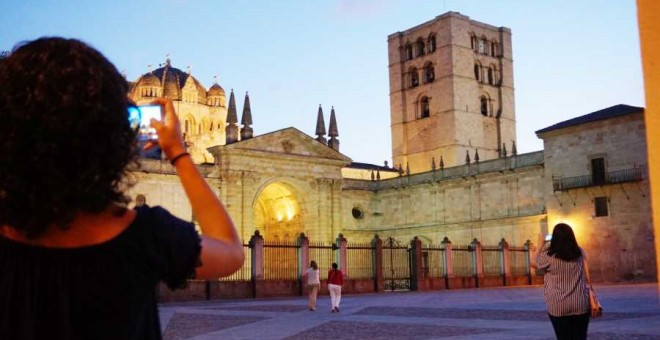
335,277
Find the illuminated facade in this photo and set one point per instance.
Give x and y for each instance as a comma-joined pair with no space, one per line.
286,182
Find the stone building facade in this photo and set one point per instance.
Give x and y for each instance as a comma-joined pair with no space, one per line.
597,182
286,182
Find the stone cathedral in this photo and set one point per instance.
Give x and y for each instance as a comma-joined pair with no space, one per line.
455,170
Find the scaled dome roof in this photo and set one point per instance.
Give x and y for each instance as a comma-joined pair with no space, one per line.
216,90
171,80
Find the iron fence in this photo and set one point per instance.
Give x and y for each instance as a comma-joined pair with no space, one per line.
360,260
612,177
463,261
433,261
518,261
396,266
323,254
280,260
492,260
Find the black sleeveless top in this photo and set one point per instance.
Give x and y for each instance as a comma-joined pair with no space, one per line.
104,291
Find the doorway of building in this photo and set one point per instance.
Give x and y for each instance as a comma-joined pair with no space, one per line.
278,213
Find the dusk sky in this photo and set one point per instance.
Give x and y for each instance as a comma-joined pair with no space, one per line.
570,57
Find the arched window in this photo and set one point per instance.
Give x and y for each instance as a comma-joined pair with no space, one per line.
424,108
432,43
484,105
493,51
186,126
421,48
482,45
429,73
473,42
490,76
414,77
477,72
409,52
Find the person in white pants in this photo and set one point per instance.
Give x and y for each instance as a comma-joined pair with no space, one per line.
335,281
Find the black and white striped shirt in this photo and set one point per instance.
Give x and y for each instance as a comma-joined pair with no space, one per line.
564,286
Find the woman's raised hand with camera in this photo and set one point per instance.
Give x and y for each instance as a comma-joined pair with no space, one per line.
222,249
168,129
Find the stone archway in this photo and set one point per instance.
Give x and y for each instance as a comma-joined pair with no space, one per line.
278,212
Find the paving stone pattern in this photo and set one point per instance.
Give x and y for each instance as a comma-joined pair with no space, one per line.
632,312
373,330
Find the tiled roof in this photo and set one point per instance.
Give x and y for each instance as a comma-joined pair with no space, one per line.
367,166
610,112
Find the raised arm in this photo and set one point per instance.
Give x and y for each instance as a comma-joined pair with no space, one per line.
539,246
222,250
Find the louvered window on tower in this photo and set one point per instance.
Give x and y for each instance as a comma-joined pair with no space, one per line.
425,109
484,106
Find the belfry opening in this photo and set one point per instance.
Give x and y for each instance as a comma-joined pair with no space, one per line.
278,213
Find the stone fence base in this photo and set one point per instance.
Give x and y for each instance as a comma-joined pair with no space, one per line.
217,290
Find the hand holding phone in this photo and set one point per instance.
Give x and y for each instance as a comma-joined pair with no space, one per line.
548,237
140,119
147,113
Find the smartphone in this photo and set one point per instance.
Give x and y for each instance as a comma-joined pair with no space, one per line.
140,118
548,237
147,112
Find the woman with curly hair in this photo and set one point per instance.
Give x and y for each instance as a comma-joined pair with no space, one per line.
76,263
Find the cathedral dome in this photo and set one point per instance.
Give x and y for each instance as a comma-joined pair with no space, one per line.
216,96
168,82
216,90
149,80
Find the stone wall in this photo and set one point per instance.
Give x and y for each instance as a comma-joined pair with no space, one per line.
619,246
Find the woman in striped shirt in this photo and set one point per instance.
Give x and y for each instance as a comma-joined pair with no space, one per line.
564,286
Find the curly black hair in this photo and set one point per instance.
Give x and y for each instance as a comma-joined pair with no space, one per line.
65,140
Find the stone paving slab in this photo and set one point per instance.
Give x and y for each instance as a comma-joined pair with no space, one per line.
631,312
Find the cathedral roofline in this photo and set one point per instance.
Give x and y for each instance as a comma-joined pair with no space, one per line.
607,113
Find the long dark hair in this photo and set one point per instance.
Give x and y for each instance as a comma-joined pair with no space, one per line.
563,245
314,265
65,139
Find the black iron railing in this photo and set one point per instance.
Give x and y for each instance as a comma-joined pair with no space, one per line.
612,177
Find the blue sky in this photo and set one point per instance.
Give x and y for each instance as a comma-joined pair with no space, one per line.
570,57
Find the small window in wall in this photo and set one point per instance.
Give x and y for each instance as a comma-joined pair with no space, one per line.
414,78
409,52
598,171
600,206
490,75
429,73
482,45
357,213
484,106
493,51
425,109
421,48
432,43
477,72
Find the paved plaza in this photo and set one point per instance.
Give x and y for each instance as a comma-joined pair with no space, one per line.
632,312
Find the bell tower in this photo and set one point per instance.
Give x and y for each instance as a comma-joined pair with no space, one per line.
451,92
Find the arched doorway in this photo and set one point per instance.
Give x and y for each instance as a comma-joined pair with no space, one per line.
278,213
